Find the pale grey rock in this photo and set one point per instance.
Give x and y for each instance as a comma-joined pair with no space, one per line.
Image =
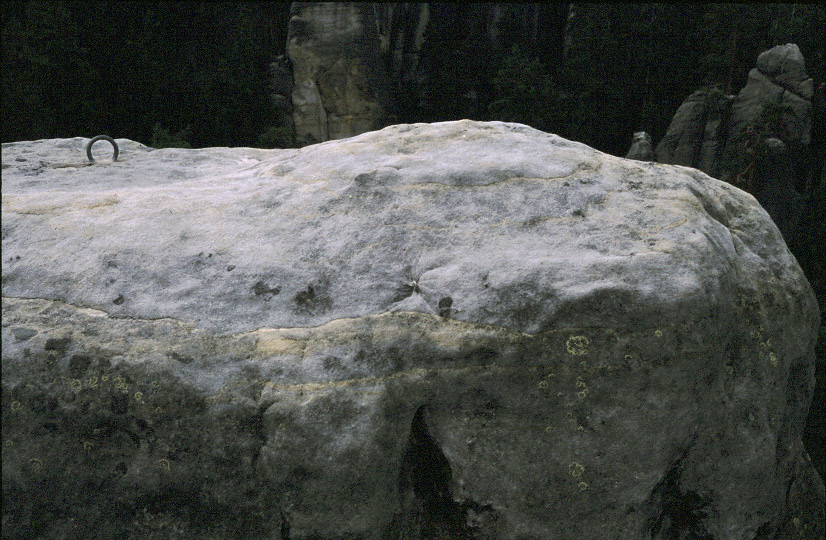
641,147
340,80
684,134
785,65
447,329
780,78
695,137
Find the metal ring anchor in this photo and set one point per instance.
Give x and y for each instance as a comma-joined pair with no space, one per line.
101,138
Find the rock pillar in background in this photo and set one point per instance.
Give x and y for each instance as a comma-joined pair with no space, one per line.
340,79
728,137
281,87
779,79
711,131
696,135
641,148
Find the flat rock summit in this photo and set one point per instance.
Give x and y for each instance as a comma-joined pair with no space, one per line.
459,330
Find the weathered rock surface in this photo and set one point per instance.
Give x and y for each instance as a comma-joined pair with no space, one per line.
780,79
340,80
697,135
465,330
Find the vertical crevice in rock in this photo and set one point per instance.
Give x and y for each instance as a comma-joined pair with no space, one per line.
677,514
697,149
284,530
428,509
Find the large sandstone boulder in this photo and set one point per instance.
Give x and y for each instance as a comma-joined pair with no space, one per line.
456,330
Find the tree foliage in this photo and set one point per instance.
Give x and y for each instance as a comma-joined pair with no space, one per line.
523,91
83,68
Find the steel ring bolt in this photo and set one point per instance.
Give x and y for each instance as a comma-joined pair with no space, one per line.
93,140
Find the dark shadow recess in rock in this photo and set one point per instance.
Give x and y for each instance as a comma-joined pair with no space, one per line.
429,511
677,515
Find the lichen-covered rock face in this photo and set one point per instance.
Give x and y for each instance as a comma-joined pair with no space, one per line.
464,330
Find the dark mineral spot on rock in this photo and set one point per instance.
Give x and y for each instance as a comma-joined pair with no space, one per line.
261,288
180,357
43,404
119,403
332,363
365,178
23,334
78,364
143,425
119,300
58,345
305,298
405,291
482,355
230,268
444,306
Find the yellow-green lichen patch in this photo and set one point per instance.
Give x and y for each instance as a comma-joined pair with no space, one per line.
576,469
578,345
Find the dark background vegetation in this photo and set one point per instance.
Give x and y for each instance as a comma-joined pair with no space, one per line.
200,69
79,69
196,73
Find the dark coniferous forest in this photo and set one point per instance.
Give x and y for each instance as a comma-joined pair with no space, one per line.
199,70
